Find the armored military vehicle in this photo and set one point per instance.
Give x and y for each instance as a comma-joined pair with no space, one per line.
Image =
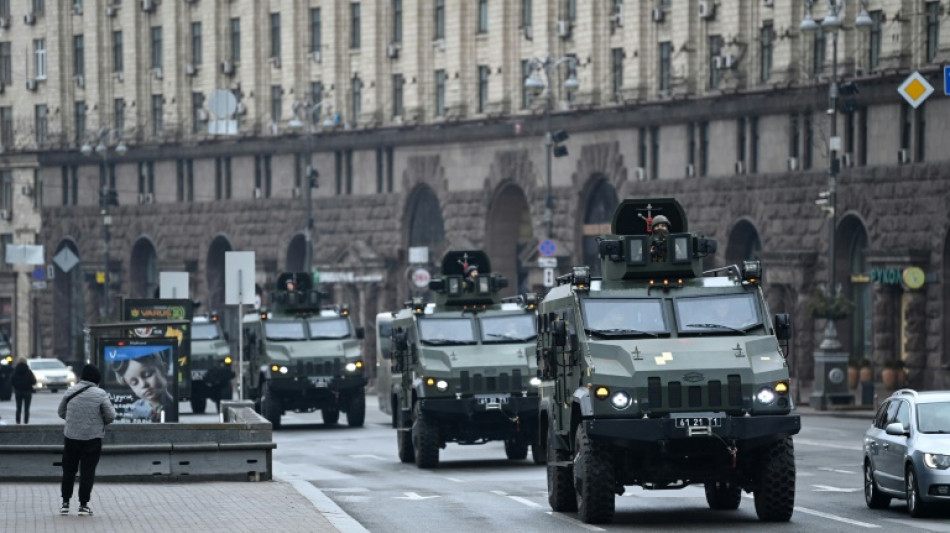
211,363
461,366
302,355
662,375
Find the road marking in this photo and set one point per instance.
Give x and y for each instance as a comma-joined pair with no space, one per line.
575,521
828,444
826,488
337,516
518,499
837,518
826,469
928,525
454,479
346,489
414,496
367,456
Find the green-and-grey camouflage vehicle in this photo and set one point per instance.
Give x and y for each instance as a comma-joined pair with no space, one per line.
463,368
661,375
211,362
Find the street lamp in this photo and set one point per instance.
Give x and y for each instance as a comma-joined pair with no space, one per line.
311,114
107,196
536,84
828,199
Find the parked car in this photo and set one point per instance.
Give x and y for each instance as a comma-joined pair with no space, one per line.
905,452
52,374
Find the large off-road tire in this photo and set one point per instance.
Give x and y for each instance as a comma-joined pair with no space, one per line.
775,482
561,496
538,453
516,450
331,415
723,496
425,439
356,411
407,453
873,497
271,408
915,507
198,399
593,479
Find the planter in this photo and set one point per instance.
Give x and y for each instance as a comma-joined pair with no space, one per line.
853,374
866,374
892,378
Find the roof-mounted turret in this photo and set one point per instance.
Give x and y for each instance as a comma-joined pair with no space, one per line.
467,281
639,247
295,293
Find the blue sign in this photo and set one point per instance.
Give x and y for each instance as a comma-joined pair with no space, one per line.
39,273
547,248
946,80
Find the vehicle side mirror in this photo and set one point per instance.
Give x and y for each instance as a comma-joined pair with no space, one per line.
896,428
225,336
400,342
783,327
360,332
559,333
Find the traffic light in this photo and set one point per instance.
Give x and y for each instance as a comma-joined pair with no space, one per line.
558,137
824,203
108,197
312,176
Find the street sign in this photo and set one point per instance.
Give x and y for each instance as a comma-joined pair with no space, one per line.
547,262
66,259
418,255
39,274
946,80
915,89
420,278
547,248
172,285
239,275
548,277
39,285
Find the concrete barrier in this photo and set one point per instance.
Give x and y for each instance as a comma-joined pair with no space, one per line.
240,447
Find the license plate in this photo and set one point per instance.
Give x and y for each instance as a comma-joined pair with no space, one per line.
698,422
491,400
319,381
198,375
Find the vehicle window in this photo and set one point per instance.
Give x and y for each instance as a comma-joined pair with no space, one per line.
336,328
384,329
204,332
730,311
933,417
284,331
511,328
614,314
46,365
880,419
903,415
446,331
892,412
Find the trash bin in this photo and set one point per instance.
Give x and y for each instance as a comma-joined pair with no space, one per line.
6,381
867,393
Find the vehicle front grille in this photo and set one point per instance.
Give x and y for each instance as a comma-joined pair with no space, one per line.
477,383
320,368
709,396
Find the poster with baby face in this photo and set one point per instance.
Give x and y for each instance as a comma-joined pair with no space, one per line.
139,375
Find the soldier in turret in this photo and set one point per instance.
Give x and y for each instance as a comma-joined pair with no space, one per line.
660,228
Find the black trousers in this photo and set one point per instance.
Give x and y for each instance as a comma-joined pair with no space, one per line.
23,400
81,456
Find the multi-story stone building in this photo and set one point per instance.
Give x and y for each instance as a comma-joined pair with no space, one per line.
424,135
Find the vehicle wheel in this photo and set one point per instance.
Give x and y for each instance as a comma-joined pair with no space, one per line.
198,400
425,440
873,495
775,482
915,507
407,453
271,408
560,479
331,415
394,405
515,450
723,496
538,453
356,411
593,480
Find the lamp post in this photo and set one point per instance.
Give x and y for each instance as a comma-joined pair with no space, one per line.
830,347
311,114
536,84
107,196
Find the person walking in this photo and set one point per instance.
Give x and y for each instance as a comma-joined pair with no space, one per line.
23,381
87,410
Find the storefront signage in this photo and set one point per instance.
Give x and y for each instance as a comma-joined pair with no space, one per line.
913,277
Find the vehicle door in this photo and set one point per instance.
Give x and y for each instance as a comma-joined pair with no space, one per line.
384,362
893,448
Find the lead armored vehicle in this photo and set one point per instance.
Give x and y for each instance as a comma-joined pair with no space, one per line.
661,375
302,355
211,362
463,370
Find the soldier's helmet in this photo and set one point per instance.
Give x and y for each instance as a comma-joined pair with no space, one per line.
659,219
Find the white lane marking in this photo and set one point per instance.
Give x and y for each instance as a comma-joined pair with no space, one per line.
575,521
829,444
454,479
837,471
928,525
519,499
414,496
367,456
837,518
826,488
346,489
337,516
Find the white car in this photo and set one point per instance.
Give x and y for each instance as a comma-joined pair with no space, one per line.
52,374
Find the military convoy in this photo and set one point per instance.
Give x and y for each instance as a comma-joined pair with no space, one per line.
662,375
211,362
302,355
462,367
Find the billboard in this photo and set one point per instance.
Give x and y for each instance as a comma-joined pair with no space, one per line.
165,309
139,376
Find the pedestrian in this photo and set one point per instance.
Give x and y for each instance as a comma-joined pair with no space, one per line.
87,410
23,382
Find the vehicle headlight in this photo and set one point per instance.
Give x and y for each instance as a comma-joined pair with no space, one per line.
765,395
442,385
535,381
620,400
351,367
937,461
281,369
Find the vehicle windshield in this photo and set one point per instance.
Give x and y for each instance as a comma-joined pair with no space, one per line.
441,331
204,332
47,365
284,331
329,328
617,316
933,417
511,328
726,313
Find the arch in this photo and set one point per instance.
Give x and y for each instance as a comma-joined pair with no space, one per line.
215,272
69,306
510,236
296,258
424,214
743,243
143,269
601,202
851,258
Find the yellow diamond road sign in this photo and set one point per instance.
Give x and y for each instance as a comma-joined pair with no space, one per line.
915,89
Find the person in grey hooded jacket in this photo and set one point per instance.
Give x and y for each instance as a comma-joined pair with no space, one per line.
87,410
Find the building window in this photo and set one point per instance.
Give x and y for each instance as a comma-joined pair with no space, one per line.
526,13
263,175
644,149
397,21
809,140
440,19
666,49
356,100
316,96
690,143
222,178
158,114
348,157
196,43
118,110
863,136
440,93
276,95
526,70
818,53
186,180
147,177
703,148
397,95
275,35
39,7
5,8
933,30
482,89
39,58
655,152
390,173
907,118
6,127
316,35
338,172
80,122
741,140
355,25
874,40
570,9
765,52
921,141
117,63
380,169
157,47
482,16
715,50
754,144
616,73
6,63
235,40
794,130
41,124
197,109
79,58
